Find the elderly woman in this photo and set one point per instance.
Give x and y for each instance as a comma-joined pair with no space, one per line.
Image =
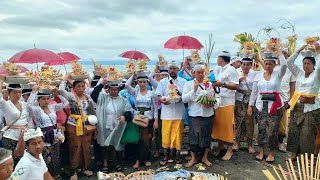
112,111
243,123
200,115
79,133
146,104
6,163
17,117
266,98
305,104
45,115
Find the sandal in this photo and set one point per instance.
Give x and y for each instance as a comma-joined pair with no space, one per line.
270,160
58,177
105,169
178,161
74,177
163,162
88,173
119,168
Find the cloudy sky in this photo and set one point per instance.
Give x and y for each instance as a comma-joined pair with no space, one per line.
102,29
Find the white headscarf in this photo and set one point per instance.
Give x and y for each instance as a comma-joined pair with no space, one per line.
32,133
5,155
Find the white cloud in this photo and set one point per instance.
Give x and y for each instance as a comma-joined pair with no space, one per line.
104,29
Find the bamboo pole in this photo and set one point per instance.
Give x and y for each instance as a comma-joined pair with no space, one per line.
303,167
307,165
289,170
282,172
299,169
275,170
268,174
311,170
318,167
293,171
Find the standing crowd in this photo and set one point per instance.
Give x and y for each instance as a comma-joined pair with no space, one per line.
121,120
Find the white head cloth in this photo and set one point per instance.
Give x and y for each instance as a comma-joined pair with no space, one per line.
5,155
224,53
173,64
235,59
32,133
198,67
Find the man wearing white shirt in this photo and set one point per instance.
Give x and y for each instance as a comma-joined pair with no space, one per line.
32,166
287,89
228,81
200,115
172,114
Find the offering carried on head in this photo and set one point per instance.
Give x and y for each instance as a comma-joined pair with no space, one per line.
310,49
141,65
272,44
78,73
13,74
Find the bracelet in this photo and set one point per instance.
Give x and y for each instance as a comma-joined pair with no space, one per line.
224,85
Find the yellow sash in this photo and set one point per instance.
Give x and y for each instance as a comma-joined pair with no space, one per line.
79,126
295,97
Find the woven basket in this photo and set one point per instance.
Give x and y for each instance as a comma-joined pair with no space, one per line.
17,80
127,75
117,176
140,175
79,77
55,83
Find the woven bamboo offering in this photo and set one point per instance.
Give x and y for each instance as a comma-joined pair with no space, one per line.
306,169
140,175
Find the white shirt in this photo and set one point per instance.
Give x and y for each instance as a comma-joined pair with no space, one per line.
260,85
174,111
309,85
285,84
190,97
11,113
227,74
247,83
29,168
43,119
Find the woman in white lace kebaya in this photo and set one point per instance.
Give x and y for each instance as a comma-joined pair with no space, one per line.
146,104
45,117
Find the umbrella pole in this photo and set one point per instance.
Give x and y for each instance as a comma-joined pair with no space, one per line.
182,55
65,67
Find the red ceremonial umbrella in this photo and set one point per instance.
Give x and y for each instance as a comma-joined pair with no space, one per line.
134,55
183,42
34,55
66,57
3,70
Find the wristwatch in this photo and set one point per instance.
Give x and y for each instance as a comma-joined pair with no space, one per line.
224,85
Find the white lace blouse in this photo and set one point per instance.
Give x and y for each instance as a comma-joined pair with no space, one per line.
11,113
43,119
260,85
308,85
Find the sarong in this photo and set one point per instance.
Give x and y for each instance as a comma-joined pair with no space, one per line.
172,133
283,129
318,136
51,155
302,131
268,127
222,129
243,122
79,148
200,132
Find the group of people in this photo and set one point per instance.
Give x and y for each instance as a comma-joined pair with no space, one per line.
122,118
